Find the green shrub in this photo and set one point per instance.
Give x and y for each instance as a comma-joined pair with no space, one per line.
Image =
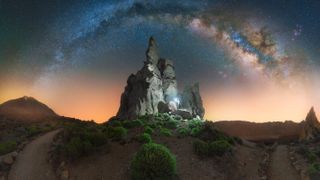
153,161
144,138
311,156
77,147
96,138
148,129
183,132
219,147
195,131
172,124
117,133
238,140
132,123
201,148
195,123
165,132
7,147
178,117
33,130
215,148
314,168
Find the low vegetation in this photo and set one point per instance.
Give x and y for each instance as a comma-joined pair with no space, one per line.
116,133
312,156
7,147
81,138
144,138
165,132
214,148
148,129
153,161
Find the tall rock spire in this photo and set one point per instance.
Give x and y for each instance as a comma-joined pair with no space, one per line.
152,52
154,89
311,126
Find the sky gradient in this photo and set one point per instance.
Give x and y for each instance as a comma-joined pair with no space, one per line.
255,60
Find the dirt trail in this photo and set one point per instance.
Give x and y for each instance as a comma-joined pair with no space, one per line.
280,166
32,164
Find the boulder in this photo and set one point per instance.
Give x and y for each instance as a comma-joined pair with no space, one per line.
310,127
7,159
185,114
192,101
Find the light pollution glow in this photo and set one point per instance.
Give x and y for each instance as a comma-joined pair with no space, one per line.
84,99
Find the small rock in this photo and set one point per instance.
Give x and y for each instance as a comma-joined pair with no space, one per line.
14,154
292,158
65,174
7,159
263,178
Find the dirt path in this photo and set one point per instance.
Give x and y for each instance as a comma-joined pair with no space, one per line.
32,164
280,166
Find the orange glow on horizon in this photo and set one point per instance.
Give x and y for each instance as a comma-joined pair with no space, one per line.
91,99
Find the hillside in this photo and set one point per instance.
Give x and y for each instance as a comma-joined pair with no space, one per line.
268,131
26,109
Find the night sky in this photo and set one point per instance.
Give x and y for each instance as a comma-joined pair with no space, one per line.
255,60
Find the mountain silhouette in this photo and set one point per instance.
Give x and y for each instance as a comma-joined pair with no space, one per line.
26,109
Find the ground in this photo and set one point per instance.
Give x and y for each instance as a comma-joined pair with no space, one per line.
248,161
32,162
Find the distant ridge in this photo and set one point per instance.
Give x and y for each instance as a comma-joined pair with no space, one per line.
26,109
266,132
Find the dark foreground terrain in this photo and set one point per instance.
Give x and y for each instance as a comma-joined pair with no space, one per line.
157,146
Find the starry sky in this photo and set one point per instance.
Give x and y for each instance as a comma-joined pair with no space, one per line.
255,60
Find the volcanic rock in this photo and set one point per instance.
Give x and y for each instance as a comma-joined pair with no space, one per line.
192,101
144,89
153,89
311,126
169,83
7,159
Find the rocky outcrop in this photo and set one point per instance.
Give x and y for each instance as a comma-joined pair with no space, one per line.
169,83
144,89
310,127
154,89
192,101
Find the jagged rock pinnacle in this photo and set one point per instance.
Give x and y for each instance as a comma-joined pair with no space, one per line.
153,89
152,52
311,126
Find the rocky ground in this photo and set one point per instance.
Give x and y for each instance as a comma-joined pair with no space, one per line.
112,161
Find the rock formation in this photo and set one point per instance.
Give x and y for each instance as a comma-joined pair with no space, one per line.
154,89
310,127
191,100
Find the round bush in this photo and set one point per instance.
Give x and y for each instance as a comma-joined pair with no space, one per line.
183,132
165,132
144,138
153,161
195,131
219,147
117,133
148,129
